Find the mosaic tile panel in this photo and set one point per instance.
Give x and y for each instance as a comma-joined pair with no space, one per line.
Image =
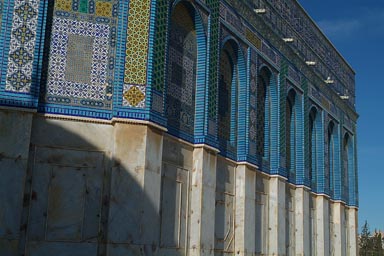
282,104
82,53
290,142
1,11
294,75
224,107
214,6
325,182
137,42
288,19
262,87
270,53
135,74
182,57
231,18
345,165
22,46
253,38
307,180
79,59
160,44
157,103
134,96
252,104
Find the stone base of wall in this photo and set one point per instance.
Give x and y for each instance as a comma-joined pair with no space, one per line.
79,187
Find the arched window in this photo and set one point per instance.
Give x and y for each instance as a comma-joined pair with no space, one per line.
331,156
182,59
263,113
227,106
291,131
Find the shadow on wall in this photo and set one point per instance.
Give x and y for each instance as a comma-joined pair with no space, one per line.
73,199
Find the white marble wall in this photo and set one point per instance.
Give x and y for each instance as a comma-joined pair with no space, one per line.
15,136
130,220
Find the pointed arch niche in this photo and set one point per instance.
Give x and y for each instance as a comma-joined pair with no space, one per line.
294,135
315,146
348,167
333,152
185,70
229,83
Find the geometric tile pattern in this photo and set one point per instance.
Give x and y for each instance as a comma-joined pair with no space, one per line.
82,63
22,46
307,138
137,42
310,43
214,6
282,119
78,59
252,104
160,44
262,87
1,10
134,96
82,53
137,46
225,86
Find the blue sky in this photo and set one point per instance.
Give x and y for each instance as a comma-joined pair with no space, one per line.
356,28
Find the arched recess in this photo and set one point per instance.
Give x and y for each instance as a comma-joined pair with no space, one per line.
315,147
348,167
294,137
231,79
185,72
263,109
267,120
333,160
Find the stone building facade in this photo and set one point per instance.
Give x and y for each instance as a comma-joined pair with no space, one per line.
162,127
